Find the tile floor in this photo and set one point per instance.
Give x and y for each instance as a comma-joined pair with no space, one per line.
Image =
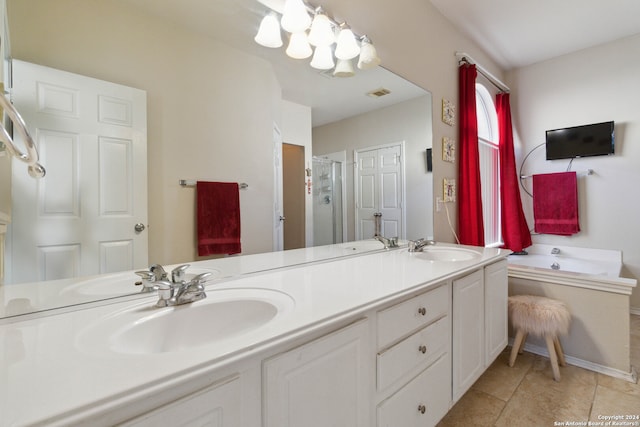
526,394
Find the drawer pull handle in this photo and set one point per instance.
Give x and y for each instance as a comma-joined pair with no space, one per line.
422,349
422,311
422,409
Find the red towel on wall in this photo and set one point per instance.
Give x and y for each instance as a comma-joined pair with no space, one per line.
555,203
218,216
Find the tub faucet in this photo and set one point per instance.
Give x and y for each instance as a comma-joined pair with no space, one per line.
555,251
388,243
418,245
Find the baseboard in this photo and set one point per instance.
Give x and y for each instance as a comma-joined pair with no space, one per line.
635,310
581,363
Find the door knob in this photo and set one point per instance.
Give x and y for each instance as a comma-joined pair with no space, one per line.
139,227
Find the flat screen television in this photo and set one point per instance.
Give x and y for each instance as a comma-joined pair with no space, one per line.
580,141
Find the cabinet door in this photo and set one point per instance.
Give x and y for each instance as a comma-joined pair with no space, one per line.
468,332
496,283
216,406
323,383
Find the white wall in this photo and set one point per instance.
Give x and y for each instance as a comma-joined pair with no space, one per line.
394,124
593,85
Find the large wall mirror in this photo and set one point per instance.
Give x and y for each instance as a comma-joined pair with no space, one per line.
213,100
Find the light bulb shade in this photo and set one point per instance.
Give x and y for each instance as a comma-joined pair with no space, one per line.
344,68
322,58
321,33
368,56
298,47
269,32
347,47
295,17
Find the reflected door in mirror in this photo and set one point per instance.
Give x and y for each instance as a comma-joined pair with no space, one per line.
80,219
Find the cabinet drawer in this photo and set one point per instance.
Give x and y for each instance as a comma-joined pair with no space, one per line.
423,401
421,348
405,317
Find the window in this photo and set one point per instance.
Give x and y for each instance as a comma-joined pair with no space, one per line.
489,165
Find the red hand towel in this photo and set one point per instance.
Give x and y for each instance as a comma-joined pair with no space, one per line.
218,214
555,203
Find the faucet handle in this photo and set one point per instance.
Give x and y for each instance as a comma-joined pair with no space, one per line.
200,279
158,272
178,273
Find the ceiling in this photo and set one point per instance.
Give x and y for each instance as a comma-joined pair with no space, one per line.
523,32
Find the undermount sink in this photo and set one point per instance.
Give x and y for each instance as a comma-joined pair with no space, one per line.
434,253
123,283
225,314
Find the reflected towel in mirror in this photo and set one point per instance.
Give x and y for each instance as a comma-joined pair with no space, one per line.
218,216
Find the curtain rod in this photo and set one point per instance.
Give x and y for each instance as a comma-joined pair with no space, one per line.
462,56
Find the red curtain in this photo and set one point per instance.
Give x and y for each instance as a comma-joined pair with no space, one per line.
515,231
470,224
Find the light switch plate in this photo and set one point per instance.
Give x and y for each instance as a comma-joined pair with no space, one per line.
449,190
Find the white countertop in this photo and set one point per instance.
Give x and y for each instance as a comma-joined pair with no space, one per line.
48,370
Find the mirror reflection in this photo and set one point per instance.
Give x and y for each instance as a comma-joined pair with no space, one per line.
216,107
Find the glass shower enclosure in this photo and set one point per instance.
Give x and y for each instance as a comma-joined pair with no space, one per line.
327,201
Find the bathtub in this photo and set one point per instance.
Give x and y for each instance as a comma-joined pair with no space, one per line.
570,260
588,281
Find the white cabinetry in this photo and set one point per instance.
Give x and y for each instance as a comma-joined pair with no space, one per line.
414,360
468,331
479,323
326,382
496,284
215,406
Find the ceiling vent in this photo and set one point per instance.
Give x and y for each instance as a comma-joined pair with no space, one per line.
379,92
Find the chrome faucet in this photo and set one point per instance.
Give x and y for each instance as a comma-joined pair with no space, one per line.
418,245
174,291
388,243
555,251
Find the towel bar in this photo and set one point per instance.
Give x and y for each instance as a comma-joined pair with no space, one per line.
582,173
192,182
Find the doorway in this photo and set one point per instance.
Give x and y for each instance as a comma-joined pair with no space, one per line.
328,227
293,195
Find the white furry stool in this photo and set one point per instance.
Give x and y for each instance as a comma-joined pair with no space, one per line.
543,317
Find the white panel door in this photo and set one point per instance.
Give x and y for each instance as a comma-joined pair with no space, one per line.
379,190
80,219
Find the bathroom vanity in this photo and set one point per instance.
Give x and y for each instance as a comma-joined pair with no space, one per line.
383,338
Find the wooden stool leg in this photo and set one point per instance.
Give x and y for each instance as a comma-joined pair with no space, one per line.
524,339
517,343
559,351
552,357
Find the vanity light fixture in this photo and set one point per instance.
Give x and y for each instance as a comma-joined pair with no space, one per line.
346,46
322,58
321,34
344,68
295,17
298,47
368,55
269,32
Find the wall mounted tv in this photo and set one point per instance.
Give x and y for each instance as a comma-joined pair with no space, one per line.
580,141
